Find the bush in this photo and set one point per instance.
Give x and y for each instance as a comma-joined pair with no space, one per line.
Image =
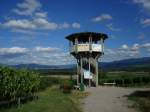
66,86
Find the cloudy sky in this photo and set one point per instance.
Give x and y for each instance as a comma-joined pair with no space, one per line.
33,31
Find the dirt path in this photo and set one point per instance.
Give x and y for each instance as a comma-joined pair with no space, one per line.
108,99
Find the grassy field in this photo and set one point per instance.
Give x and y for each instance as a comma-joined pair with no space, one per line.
50,100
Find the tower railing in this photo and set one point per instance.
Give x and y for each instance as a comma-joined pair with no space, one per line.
86,47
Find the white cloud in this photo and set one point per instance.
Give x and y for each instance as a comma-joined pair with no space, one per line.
25,25
124,47
102,18
124,52
27,7
39,55
44,56
146,45
127,52
135,47
42,23
112,28
13,50
109,52
39,23
76,25
146,22
19,24
41,14
64,25
55,56
145,3
134,54
46,49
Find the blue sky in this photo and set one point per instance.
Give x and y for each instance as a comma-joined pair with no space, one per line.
33,31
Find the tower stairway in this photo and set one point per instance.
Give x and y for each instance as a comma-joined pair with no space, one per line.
89,67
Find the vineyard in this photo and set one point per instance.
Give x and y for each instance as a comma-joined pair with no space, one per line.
17,84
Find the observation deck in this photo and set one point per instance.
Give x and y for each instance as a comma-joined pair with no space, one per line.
86,42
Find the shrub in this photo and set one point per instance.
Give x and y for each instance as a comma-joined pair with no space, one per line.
66,86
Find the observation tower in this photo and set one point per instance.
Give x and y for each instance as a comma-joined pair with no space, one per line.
87,47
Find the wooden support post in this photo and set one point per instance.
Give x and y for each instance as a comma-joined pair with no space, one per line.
81,70
96,65
90,73
77,72
102,44
76,45
90,44
70,46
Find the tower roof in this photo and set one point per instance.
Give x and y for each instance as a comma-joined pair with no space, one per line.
86,35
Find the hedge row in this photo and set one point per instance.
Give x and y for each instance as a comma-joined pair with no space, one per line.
133,81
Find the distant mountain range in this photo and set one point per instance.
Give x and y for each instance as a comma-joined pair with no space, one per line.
138,63
115,65
39,66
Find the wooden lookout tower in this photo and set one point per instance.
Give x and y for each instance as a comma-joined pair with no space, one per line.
87,47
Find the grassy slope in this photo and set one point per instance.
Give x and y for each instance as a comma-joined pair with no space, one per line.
143,104
50,100
141,100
